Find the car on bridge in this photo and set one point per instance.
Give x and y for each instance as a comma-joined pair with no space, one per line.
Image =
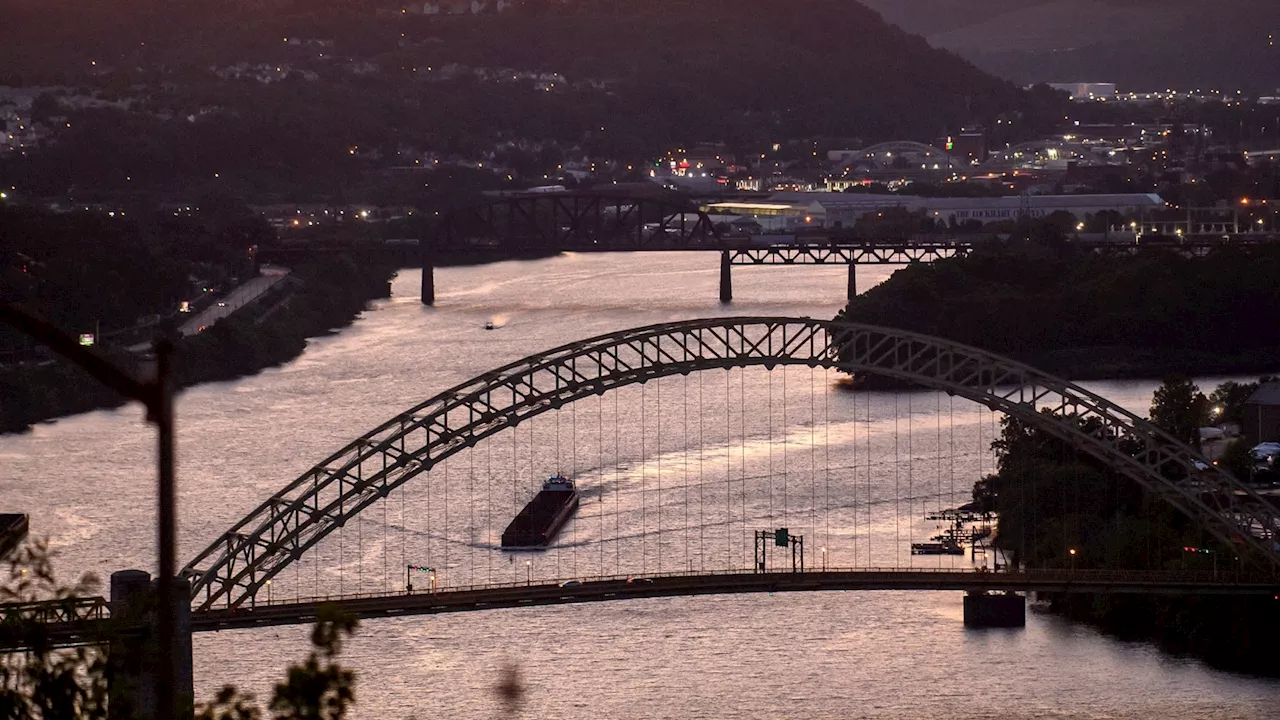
571,583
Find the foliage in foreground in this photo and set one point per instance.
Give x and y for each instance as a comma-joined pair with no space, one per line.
49,683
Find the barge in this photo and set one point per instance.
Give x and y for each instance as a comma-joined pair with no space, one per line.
539,522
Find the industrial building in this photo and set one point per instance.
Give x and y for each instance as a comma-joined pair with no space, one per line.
785,211
1086,90
1262,415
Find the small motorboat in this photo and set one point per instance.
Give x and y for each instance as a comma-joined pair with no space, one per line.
488,325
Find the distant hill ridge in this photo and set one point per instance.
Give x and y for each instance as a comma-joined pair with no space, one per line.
1141,44
748,73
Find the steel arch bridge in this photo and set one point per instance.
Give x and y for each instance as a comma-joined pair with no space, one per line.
235,566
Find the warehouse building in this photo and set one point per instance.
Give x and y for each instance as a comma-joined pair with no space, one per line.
1262,415
785,211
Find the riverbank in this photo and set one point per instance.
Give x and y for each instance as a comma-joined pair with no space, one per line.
330,292
1084,316
1058,508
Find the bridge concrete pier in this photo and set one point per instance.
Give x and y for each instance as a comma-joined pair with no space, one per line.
726,277
853,281
133,655
994,610
428,293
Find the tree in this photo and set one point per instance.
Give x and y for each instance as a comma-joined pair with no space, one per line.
319,688
1237,460
1227,401
1180,409
49,683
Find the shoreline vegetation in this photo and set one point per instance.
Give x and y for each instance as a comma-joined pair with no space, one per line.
1059,508
1083,316
1079,315
330,293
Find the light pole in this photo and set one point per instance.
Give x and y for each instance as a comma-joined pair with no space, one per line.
824,559
268,584
528,569
1072,552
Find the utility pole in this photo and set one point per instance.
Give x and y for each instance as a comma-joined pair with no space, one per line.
157,396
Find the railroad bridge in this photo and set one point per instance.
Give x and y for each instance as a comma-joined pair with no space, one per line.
600,220
527,225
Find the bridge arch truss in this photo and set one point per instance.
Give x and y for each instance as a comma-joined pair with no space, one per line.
235,566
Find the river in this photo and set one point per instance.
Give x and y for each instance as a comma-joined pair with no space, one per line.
833,465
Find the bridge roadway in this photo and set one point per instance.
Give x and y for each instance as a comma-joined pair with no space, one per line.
85,621
490,597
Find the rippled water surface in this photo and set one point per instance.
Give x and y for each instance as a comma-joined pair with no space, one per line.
856,473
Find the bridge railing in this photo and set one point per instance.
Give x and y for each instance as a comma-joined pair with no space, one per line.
64,610
1064,576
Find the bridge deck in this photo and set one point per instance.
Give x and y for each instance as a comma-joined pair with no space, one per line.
623,588
88,626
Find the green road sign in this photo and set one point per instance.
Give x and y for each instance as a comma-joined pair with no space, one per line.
781,537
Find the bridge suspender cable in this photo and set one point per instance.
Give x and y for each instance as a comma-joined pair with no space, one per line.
855,449
951,441
360,553
600,465
644,497
488,510
573,428
742,486
617,491
813,454
897,511
386,528
702,522
658,455
515,481
558,468
911,471
870,458
684,481
769,473
826,457
937,476
342,566
471,508
728,471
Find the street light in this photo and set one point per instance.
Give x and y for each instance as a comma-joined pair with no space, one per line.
528,568
268,583
824,559
1072,551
